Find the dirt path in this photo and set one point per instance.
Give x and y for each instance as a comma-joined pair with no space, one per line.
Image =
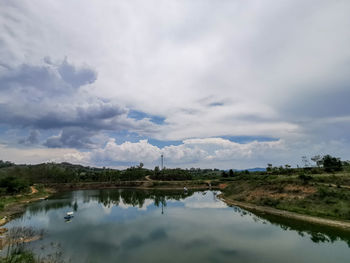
17,207
345,225
33,190
148,178
334,185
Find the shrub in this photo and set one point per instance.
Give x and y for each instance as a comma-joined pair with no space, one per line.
305,178
270,202
14,185
332,164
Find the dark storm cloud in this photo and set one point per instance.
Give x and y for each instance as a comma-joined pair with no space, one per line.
46,78
71,138
30,76
320,104
33,138
76,77
48,96
97,117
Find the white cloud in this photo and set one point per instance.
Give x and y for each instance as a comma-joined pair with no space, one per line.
210,68
194,152
140,151
40,155
204,153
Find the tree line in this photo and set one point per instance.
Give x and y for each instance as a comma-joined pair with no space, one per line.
17,178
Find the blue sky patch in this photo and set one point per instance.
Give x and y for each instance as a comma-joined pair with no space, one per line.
124,136
215,104
162,144
248,139
139,115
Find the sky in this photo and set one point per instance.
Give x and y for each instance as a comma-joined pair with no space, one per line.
210,84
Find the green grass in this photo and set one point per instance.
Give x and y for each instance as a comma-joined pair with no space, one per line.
324,201
8,200
19,257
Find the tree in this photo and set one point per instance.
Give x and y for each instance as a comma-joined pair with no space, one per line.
141,165
224,174
269,167
14,185
331,164
156,171
230,173
6,164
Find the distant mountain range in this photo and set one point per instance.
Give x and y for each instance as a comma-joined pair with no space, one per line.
257,169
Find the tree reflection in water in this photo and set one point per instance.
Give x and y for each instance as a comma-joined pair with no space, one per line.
317,233
111,197
136,198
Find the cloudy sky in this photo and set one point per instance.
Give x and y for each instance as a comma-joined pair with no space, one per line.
226,84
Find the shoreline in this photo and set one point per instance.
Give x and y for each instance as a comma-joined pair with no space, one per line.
13,209
10,212
166,185
340,224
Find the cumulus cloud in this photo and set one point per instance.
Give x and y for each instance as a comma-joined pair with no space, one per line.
205,152
140,151
40,155
71,138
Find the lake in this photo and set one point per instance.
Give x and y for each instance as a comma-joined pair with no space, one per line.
171,226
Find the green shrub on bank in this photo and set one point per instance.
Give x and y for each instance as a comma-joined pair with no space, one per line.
269,202
171,175
19,256
305,178
13,185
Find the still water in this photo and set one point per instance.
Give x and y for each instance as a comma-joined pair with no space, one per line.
159,226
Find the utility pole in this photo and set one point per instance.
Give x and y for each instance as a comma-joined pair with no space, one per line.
161,162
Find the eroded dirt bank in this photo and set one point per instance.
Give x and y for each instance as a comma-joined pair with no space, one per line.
345,225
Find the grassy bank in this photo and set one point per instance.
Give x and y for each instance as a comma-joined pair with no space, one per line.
325,195
11,205
142,184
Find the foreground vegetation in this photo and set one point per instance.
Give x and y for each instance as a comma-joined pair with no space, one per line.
16,250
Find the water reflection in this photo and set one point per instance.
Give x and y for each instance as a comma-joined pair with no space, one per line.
317,233
109,198
159,198
173,226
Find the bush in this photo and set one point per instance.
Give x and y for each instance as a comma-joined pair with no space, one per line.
14,185
323,192
172,175
214,183
332,164
305,178
270,202
19,256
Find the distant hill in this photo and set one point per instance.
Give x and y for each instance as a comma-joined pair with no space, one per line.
257,169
